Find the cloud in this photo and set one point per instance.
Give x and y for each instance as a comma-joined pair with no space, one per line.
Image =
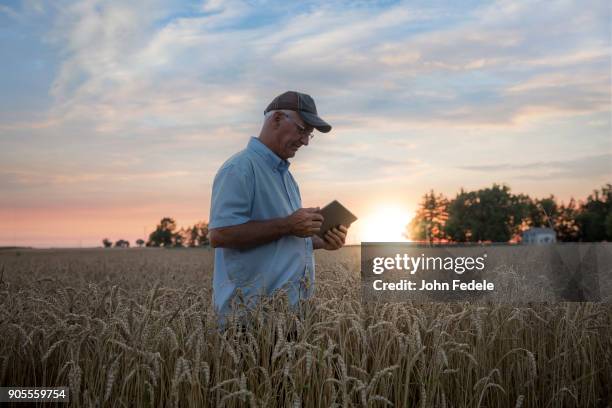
582,167
328,165
141,67
26,10
155,95
24,178
125,71
9,12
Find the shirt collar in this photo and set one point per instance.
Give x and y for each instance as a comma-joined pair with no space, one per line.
268,155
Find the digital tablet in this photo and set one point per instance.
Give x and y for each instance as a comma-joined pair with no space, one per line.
335,214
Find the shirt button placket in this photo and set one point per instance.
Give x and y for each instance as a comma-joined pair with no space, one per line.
285,184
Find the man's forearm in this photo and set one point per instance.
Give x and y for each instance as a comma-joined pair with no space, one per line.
250,234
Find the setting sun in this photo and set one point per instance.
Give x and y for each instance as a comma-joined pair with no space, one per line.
385,224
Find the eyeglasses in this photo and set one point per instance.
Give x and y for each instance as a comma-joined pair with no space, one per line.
301,129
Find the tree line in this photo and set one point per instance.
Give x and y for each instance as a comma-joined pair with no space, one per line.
490,214
167,235
496,215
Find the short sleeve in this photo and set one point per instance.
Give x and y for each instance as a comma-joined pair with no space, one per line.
232,197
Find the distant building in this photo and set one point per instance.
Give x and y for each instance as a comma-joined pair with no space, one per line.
539,236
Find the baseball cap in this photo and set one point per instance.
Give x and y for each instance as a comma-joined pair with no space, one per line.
304,105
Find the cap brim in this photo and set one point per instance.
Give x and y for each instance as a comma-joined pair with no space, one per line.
315,121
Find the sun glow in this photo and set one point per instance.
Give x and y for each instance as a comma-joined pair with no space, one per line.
385,224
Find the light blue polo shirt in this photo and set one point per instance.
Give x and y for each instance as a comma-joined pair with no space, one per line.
255,184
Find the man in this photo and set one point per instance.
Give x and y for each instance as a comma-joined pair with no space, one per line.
263,238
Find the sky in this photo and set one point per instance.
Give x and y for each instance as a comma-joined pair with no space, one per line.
115,114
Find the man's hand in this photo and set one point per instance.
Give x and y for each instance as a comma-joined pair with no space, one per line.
334,239
305,222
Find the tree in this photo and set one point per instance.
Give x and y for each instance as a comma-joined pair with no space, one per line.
521,209
140,242
163,234
565,222
122,243
490,214
429,220
192,240
107,243
495,215
609,226
198,235
179,238
542,212
593,215
458,224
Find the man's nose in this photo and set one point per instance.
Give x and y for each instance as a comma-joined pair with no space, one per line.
305,140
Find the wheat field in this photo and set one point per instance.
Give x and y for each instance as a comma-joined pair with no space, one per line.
135,327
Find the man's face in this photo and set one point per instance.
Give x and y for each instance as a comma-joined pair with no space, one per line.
293,134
